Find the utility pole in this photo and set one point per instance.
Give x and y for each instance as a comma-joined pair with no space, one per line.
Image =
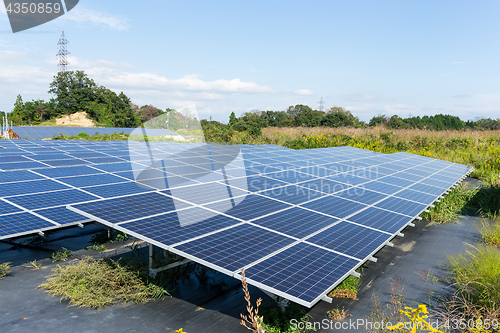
62,54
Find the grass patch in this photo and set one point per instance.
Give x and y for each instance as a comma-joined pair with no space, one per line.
337,315
97,283
486,201
96,247
490,232
5,269
347,289
451,206
62,255
476,278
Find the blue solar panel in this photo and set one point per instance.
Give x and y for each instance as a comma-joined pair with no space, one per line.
116,167
17,176
92,180
290,176
205,193
234,248
115,190
303,271
293,194
360,194
300,252
436,191
351,239
131,207
251,207
61,215
85,155
394,180
416,196
16,224
381,219
21,165
180,226
381,187
49,157
32,186
15,158
6,208
334,206
66,197
296,222
348,178
402,206
68,171
256,183
102,160
69,162
324,185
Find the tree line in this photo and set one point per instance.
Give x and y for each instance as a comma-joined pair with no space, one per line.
75,91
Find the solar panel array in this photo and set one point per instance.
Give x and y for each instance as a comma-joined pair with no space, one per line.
298,222
39,178
43,132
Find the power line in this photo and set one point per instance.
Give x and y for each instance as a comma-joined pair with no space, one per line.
321,105
62,54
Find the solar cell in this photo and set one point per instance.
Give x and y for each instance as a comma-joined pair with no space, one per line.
334,206
381,219
6,208
361,195
301,273
21,223
236,247
252,206
295,222
115,190
350,239
173,228
92,180
52,199
401,206
131,207
61,215
293,194
21,165
32,186
18,176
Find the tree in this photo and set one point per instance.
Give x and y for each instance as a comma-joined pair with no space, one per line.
74,91
232,119
395,122
295,110
338,117
148,112
378,120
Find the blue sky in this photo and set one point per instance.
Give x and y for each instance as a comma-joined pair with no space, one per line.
370,57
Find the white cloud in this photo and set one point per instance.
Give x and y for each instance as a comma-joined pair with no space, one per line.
253,70
303,92
354,96
80,14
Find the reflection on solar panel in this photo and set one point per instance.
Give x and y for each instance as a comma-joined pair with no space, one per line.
298,222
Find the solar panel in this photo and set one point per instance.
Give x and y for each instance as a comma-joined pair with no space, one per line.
298,221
